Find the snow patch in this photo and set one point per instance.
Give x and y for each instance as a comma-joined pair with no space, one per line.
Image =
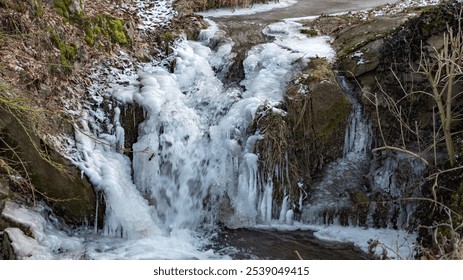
254,9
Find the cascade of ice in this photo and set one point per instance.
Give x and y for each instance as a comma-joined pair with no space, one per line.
330,198
357,140
351,185
193,146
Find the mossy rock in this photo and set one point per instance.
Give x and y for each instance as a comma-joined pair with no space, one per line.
321,122
71,196
310,135
309,32
70,9
102,28
353,38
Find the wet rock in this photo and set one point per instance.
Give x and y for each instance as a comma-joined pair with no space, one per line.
4,192
309,136
6,248
18,246
359,46
71,196
364,60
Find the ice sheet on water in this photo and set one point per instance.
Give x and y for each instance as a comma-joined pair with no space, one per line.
399,244
179,245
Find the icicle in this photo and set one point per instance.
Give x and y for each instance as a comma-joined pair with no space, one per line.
95,228
284,209
289,216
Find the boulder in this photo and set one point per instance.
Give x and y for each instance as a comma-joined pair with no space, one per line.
18,246
359,46
53,177
306,133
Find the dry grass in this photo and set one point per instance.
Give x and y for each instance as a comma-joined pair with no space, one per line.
191,6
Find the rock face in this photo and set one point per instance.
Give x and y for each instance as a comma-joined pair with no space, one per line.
359,47
325,116
71,196
383,55
309,136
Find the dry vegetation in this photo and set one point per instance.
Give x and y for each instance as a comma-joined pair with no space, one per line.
434,136
190,6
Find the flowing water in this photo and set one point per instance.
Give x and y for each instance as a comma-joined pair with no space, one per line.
193,163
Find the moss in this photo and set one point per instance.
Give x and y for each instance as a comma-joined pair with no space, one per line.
62,7
309,32
359,209
166,40
103,28
330,107
333,118
39,10
67,52
89,36
167,37
117,31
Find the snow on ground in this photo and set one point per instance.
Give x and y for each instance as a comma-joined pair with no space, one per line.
398,7
254,9
154,13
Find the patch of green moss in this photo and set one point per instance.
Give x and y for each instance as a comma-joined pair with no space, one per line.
309,32
105,28
117,31
334,118
62,7
34,6
167,37
67,52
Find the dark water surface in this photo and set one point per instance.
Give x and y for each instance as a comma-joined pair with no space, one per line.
282,245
